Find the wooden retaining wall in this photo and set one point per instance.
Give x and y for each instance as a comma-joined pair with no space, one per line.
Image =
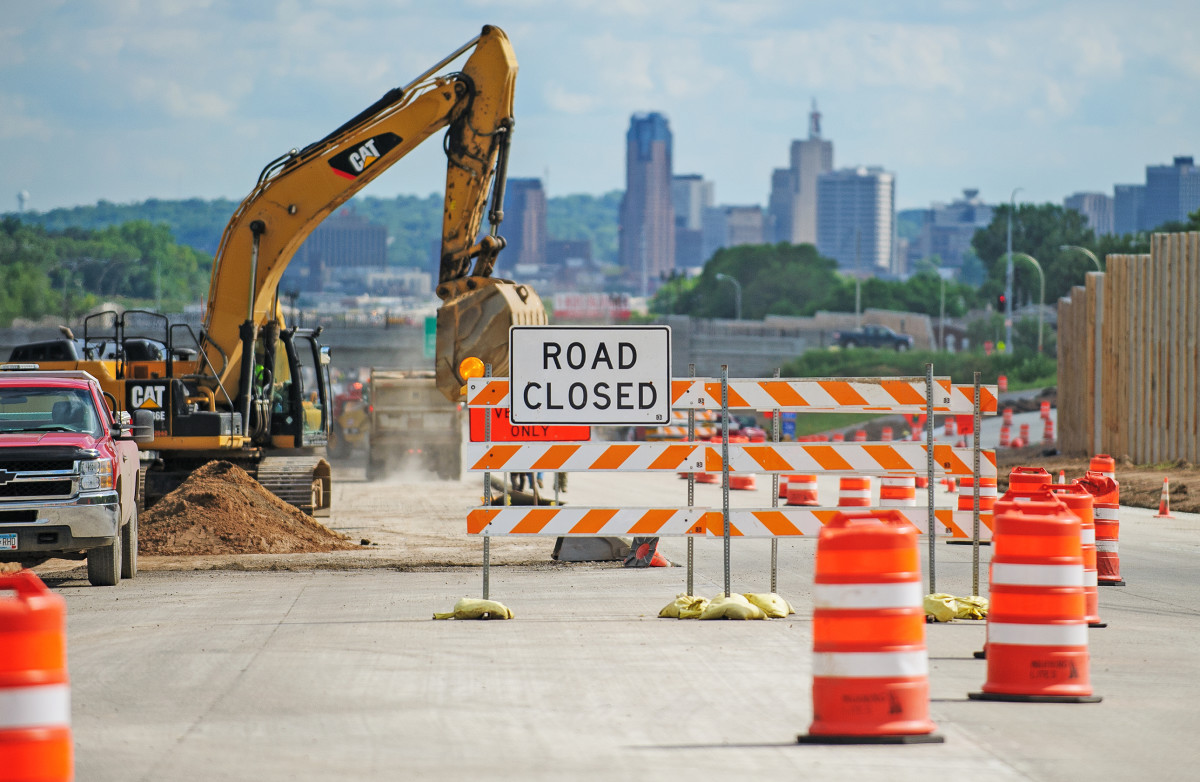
1129,356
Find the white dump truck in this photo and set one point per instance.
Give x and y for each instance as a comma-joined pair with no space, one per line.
413,426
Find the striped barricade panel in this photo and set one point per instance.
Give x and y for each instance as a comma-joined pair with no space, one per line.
883,395
559,521
793,521
579,457
856,458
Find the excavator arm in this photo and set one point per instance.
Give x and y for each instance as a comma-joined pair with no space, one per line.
298,190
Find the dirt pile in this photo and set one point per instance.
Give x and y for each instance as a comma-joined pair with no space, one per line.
220,509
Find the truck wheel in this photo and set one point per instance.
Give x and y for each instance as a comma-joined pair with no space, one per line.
129,544
104,564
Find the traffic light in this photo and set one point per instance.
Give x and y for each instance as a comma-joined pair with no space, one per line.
1001,302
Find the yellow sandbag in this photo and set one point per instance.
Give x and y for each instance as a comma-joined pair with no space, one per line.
732,607
684,607
941,606
973,607
771,604
474,608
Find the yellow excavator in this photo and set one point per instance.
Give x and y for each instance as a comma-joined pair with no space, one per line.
250,390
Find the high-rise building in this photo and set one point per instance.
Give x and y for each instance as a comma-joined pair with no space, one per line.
793,200
731,226
690,195
342,240
1097,209
1172,192
524,226
647,242
947,231
1128,205
856,223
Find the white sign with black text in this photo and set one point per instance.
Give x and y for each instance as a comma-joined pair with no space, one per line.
590,374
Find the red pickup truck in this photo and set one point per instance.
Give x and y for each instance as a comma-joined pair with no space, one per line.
69,473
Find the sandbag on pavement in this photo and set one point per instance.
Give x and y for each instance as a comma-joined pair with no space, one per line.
771,604
684,607
474,608
732,607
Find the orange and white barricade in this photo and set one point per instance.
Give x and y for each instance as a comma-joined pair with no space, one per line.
1037,644
35,696
870,680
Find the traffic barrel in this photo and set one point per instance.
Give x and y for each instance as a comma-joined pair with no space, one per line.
1046,409
1008,416
1024,434
898,491
783,487
966,493
1036,627
854,491
951,427
1005,433
922,481
1002,383
838,437
1103,464
1048,432
802,490
860,435
870,667
1106,507
35,696
1026,483
885,434
1079,501
741,481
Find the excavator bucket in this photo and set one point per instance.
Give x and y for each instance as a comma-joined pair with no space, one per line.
474,321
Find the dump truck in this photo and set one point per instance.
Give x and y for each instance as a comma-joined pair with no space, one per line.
413,425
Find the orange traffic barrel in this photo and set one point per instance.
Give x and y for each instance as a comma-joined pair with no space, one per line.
1106,507
741,481
922,481
802,490
35,697
1025,483
1002,383
885,434
899,491
1036,627
783,487
838,437
1048,432
1079,501
966,493
1046,408
1008,416
1005,434
1103,464
870,668
1024,434
860,436
854,491
951,427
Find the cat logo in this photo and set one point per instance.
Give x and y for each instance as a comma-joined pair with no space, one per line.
146,397
354,161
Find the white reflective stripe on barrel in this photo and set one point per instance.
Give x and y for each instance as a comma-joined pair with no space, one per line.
1105,513
1037,575
1073,634
1107,546
1087,536
44,706
907,594
1091,578
855,494
864,665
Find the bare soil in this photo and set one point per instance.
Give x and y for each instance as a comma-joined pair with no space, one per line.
220,509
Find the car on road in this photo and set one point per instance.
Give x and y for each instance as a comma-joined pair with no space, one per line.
873,336
70,476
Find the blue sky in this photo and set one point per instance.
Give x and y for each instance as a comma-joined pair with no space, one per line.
125,100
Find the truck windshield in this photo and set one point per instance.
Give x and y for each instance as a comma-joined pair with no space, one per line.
47,410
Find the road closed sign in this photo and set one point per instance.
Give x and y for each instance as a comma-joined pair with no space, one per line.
601,375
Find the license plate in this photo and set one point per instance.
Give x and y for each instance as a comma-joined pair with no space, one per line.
8,541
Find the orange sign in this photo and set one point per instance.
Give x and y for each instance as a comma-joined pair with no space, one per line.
504,431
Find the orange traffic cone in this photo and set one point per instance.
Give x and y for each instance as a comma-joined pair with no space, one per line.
35,697
870,671
1037,642
1062,476
1164,502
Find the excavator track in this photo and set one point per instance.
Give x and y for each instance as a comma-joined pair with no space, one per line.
302,481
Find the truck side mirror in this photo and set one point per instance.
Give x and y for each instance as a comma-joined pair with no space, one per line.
142,430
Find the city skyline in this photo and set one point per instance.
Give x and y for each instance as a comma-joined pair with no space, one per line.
125,102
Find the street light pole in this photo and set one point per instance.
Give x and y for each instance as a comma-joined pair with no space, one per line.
1008,284
1042,297
737,289
1085,251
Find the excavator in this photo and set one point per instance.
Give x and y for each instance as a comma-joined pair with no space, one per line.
251,390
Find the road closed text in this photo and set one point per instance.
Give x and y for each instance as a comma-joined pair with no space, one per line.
593,375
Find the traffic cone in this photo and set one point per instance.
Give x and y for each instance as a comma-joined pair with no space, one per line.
1036,627
870,671
643,552
35,695
1062,477
1164,502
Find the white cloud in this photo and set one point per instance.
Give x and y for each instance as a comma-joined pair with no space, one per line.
16,122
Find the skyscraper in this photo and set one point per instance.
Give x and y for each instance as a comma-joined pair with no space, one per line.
690,195
1128,205
647,243
856,210
1097,208
1172,192
524,226
793,200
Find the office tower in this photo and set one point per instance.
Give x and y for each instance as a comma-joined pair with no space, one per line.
731,226
1097,209
793,200
342,240
1128,205
690,195
856,219
947,231
647,242
524,226
1172,192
